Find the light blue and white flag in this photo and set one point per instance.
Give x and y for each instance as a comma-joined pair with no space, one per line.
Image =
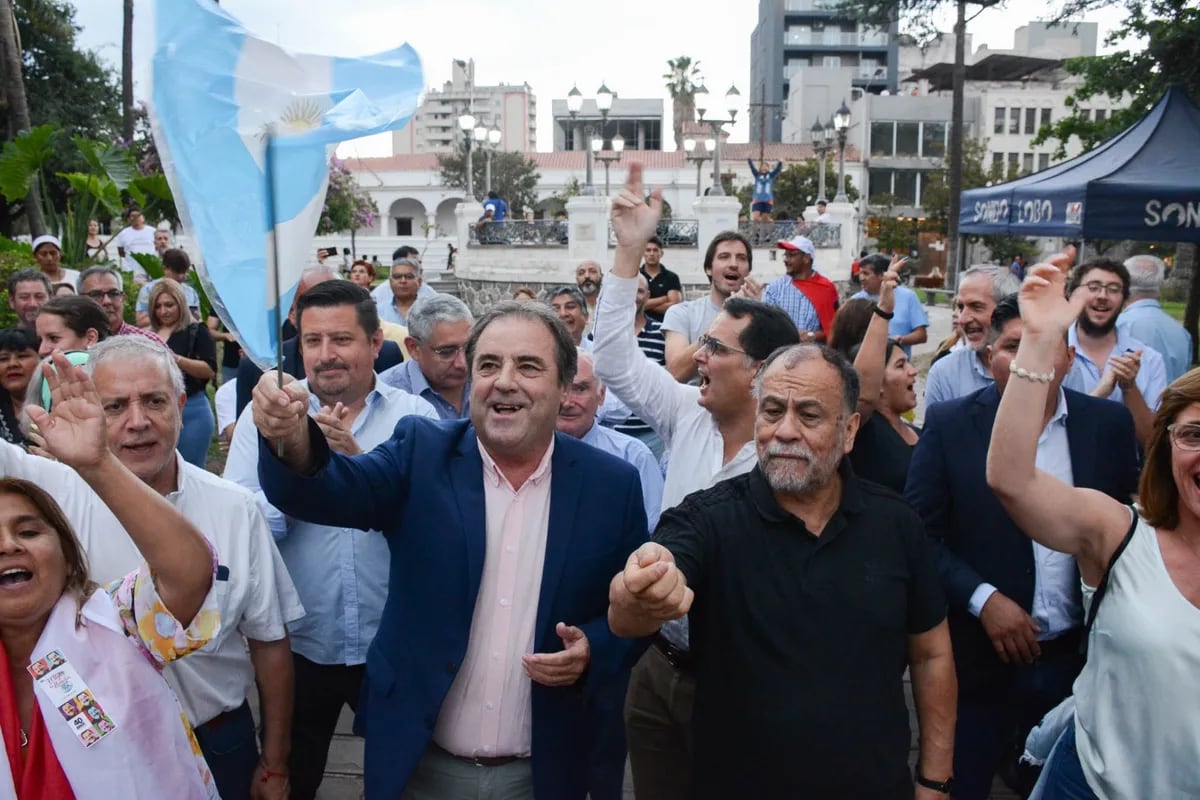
216,91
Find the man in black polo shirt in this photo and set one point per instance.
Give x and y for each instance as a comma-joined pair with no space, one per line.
665,288
812,593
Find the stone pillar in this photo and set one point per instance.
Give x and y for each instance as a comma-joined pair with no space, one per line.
587,226
714,215
466,214
846,215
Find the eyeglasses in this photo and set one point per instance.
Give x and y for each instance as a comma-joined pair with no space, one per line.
1185,436
447,351
111,294
1096,287
715,347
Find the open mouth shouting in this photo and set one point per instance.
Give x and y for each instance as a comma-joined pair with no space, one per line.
15,577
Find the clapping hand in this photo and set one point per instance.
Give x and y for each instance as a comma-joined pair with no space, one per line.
564,667
1045,308
750,290
1124,368
73,430
334,424
634,219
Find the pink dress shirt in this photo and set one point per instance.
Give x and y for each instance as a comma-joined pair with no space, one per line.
487,710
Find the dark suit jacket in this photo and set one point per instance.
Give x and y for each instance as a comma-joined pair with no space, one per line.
974,538
249,373
424,489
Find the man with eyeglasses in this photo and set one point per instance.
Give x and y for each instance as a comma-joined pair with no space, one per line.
340,573
404,283
438,328
708,431
572,309
1109,363
1015,610
104,285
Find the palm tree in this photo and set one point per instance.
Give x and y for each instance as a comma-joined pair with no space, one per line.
13,88
127,74
682,81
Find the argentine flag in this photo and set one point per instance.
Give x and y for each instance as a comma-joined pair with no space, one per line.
216,91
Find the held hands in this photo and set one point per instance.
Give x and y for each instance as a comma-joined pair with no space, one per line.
634,220
280,413
73,431
564,667
655,583
336,427
1045,308
1012,631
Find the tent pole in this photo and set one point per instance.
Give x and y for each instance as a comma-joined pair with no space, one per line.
1079,257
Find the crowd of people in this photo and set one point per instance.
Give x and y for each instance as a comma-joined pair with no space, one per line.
602,523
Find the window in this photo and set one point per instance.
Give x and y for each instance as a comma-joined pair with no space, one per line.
908,136
933,139
1014,120
1086,113
404,226
997,160
905,186
879,182
1031,121
1027,162
882,139
1045,117
999,126
1014,161
831,61
1101,114
1043,161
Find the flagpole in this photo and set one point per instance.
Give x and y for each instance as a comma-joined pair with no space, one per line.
269,175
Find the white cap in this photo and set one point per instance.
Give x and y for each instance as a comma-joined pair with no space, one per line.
801,243
47,238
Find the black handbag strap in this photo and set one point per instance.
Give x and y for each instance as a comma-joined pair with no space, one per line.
1102,588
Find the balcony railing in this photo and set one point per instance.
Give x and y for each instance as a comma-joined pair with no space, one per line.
824,235
519,233
810,5
835,39
672,232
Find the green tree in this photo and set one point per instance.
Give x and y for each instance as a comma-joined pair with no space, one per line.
348,206
1160,45
514,177
683,79
796,187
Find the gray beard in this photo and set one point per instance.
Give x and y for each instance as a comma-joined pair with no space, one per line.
818,474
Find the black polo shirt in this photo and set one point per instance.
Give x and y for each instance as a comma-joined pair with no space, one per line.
660,285
801,641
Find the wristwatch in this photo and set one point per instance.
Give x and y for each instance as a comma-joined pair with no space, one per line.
945,787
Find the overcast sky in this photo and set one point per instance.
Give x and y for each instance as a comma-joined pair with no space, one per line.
550,44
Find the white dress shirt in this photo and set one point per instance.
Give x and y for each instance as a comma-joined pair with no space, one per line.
254,592
672,409
636,453
1056,608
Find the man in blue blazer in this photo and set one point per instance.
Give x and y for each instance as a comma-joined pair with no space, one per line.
492,662
1014,607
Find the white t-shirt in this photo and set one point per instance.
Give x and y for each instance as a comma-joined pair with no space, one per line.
135,241
254,591
691,318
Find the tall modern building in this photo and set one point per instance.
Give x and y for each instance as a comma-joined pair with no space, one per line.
796,36
434,128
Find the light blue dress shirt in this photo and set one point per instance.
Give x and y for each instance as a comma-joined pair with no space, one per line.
783,293
1151,378
908,314
341,574
636,453
1145,321
956,375
407,377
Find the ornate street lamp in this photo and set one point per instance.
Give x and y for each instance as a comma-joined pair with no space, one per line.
698,157
841,123
733,102
604,101
608,157
466,123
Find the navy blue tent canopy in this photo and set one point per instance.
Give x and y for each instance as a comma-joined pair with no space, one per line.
1142,184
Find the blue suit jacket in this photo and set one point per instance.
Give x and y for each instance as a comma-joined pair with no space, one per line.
974,538
424,489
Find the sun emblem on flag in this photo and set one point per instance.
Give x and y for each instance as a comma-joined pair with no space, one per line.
298,117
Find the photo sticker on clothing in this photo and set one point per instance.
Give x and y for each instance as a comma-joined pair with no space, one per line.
58,681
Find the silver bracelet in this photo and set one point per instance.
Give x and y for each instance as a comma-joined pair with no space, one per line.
1021,372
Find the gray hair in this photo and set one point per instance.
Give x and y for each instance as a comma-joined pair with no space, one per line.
313,270
582,355
407,262
795,354
97,270
565,358
1146,274
576,295
131,347
427,314
1003,281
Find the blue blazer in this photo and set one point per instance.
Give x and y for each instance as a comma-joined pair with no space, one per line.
423,489
974,538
